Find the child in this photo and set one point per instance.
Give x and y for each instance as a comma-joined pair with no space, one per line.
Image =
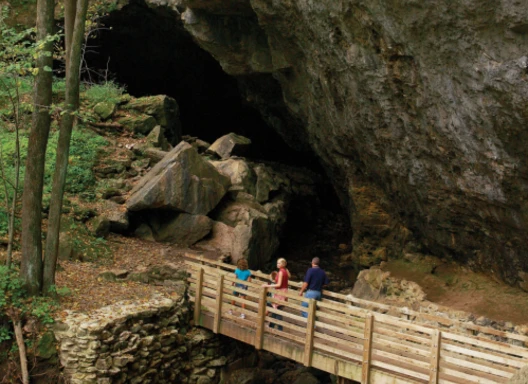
242,273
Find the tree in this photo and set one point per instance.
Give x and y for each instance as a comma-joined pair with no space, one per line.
73,64
31,244
15,62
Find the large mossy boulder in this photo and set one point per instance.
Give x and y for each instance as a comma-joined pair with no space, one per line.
140,124
182,181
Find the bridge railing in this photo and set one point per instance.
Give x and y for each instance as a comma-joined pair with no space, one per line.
416,347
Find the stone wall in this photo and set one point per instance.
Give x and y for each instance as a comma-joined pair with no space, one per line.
130,342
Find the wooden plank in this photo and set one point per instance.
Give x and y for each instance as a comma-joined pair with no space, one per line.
483,355
470,377
435,357
367,343
198,297
350,355
502,347
218,308
260,319
341,330
399,370
308,347
461,361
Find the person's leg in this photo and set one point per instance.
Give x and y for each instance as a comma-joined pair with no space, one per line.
310,295
279,317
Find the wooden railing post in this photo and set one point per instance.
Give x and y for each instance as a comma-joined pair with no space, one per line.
310,330
219,297
198,297
367,349
261,318
435,356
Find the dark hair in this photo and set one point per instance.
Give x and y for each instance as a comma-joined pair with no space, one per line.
242,264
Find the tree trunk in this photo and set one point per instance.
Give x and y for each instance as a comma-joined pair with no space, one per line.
70,7
21,351
63,146
31,269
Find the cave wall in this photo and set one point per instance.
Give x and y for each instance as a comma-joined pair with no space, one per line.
427,101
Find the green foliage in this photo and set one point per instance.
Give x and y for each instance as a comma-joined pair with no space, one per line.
108,91
14,296
5,334
84,149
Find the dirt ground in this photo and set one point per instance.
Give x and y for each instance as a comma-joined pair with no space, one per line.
459,288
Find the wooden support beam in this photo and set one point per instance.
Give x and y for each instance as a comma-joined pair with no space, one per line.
198,297
435,356
218,308
308,347
261,317
367,349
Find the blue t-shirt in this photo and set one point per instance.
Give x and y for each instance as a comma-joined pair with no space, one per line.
242,275
316,278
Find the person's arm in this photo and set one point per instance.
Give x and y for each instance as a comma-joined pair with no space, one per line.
277,285
303,288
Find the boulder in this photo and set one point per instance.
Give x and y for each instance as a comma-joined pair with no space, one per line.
144,232
166,112
269,181
105,109
229,145
245,230
184,229
141,124
370,284
65,246
242,176
181,181
117,216
156,138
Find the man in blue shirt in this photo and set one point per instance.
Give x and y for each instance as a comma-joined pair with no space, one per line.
313,283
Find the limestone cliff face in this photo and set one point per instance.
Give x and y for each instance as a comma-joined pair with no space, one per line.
426,100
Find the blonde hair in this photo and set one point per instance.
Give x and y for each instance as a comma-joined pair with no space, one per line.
242,264
282,262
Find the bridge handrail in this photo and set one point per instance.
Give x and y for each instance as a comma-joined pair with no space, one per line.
370,304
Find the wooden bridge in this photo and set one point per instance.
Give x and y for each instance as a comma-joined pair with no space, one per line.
354,339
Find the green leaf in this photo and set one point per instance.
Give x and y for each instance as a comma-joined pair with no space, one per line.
47,68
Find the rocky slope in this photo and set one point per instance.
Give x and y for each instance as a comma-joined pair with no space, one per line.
424,103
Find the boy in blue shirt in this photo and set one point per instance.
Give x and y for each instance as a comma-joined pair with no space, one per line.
242,273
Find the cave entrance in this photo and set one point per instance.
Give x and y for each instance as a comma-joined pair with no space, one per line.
148,50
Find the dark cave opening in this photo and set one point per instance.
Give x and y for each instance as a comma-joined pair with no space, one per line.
147,50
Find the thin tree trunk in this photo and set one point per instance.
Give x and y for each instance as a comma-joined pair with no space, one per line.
21,351
63,146
15,104
31,268
70,7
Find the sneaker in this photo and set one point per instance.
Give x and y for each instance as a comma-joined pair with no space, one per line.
242,316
